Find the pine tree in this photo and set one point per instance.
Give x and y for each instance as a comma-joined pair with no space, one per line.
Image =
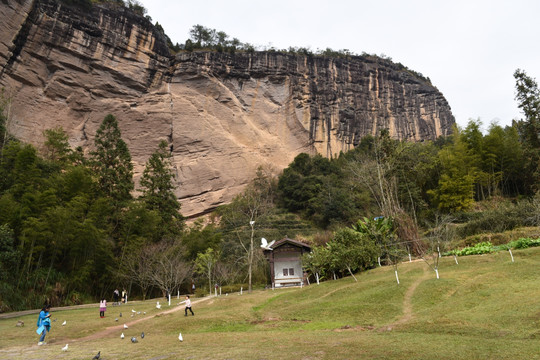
112,162
158,190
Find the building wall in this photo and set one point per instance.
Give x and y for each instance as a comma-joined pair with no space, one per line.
289,260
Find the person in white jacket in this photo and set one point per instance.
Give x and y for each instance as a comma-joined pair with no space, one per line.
102,307
188,305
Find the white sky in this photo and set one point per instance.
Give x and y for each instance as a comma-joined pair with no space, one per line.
468,48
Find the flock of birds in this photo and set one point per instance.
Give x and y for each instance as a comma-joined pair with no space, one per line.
122,336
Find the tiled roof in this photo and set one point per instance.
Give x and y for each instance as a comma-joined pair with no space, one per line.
290,241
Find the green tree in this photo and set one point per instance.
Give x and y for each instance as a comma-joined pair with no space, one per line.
138,227
56,145
199,238
381,231
158,191
9,259
528,98
203,37
112,162
455,191
318,189
318,262
205,263
351,251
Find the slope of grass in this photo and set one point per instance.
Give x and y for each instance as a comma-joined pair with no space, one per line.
484,308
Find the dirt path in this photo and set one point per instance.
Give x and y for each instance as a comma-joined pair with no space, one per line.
117,328
407,304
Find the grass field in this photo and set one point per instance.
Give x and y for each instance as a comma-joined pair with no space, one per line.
484,308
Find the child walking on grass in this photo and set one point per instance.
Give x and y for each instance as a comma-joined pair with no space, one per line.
43,323
102,307
188,305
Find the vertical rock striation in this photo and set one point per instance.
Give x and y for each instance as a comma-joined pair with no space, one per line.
223,115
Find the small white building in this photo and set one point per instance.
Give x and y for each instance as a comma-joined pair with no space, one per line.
285,258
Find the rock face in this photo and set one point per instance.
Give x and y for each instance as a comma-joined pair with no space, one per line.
223,115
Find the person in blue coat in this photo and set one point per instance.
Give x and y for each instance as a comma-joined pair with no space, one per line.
43,323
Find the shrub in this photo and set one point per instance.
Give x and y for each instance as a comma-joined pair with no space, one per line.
521,243
499,219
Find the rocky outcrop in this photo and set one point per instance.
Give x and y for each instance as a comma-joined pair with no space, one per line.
223,115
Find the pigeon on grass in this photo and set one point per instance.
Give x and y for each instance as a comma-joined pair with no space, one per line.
65,348
97,356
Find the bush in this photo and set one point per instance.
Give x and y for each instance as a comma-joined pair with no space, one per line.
500,219
228,289
522,243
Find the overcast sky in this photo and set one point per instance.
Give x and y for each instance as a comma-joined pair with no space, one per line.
468,48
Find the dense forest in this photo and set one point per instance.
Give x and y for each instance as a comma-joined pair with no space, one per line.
73,226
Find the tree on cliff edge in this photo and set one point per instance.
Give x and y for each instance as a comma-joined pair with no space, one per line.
112,162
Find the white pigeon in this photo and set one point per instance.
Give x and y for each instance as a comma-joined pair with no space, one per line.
65,348
64,323
265,245
158,306
122,336
138,313
144,313
133,311
125,326
180,337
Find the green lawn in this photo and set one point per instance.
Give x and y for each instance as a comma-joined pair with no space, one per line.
484,308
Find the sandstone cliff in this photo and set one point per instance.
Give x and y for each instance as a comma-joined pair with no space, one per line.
222,114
